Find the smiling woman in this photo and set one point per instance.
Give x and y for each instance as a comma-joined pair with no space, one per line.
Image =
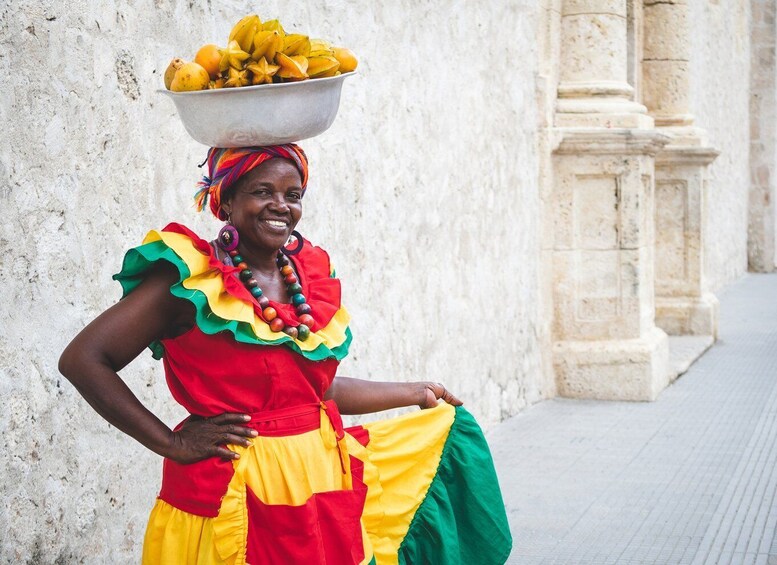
251,334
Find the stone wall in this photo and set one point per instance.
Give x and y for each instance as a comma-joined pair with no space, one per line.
720,63
424,191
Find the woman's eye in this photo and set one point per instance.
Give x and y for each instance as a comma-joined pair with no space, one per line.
295,195
260,192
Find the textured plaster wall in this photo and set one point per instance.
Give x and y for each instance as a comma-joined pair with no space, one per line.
424,191
720,63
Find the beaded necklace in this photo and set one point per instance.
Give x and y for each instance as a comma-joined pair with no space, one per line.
270,315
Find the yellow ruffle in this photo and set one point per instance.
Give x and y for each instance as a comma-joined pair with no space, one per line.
209,281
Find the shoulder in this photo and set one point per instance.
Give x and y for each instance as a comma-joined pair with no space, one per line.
173,249
314,260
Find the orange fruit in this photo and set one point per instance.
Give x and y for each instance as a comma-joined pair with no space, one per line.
347,59
208,57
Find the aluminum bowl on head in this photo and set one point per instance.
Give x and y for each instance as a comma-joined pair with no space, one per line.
266,114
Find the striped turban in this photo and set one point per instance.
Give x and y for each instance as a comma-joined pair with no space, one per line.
227,165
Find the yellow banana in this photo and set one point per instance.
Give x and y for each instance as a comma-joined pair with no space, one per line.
244,31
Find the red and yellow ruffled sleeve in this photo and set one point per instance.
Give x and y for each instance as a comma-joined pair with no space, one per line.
222,303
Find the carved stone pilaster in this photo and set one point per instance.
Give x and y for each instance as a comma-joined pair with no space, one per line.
682,305
606,344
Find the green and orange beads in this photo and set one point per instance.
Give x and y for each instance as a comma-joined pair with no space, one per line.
270,315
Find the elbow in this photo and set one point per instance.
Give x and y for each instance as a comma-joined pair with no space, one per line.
70,363
65,364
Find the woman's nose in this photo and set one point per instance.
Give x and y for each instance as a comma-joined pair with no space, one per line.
279,203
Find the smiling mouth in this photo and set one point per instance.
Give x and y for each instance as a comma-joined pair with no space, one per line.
277,223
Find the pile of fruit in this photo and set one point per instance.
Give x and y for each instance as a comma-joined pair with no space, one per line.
258,53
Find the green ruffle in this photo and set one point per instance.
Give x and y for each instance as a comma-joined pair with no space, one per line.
462,518
139,260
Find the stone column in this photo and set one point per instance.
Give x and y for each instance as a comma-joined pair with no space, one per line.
599,221
762,221
683,306
594,88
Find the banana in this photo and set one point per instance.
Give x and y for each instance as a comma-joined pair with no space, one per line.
320,67
266,44
262,72
296,44
232,56
291,68
244,31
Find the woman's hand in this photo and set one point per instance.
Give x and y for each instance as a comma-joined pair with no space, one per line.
432,392
201,438
356,396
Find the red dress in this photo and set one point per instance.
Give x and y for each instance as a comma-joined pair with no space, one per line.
306,490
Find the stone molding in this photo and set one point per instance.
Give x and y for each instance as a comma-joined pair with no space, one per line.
673,155
615,141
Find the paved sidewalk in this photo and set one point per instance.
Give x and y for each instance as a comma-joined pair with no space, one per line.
690,478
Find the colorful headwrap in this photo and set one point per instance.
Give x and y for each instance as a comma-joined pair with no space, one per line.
227,165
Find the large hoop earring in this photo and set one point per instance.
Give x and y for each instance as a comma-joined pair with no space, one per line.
294,250
228,237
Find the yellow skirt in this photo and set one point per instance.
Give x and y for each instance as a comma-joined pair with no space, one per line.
372,497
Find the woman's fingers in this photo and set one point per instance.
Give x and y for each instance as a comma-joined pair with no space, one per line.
441,393
229,418
448,397
236,440
225,453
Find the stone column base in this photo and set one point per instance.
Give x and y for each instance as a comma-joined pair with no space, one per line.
688,315
629,369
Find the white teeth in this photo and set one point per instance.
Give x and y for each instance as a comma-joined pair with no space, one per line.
276,223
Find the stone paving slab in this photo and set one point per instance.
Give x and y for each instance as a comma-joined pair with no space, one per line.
688,479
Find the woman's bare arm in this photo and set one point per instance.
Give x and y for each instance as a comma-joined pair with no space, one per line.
357,396
116,337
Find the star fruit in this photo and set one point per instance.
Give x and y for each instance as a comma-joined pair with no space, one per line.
244,31
262,72
237,78
232,57
266,44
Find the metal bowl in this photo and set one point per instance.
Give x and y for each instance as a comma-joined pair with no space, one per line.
266,114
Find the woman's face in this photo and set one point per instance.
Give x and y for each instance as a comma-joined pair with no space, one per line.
266,205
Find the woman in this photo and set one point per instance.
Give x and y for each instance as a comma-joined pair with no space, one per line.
251,333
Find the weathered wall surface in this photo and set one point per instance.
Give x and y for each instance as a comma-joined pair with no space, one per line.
720,62
424,191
